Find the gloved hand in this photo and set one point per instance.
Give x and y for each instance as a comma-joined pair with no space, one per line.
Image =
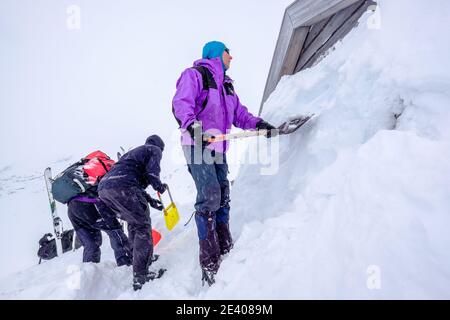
206,136
192,129
271,130
162,188
156,204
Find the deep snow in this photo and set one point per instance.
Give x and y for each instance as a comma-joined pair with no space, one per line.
359,206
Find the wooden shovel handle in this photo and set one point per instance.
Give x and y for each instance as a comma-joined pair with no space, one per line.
238,135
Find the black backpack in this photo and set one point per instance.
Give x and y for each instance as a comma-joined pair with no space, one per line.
47,247
69,183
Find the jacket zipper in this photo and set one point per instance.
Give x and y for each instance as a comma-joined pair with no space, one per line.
225,114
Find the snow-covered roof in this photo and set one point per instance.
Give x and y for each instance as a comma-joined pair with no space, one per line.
308,30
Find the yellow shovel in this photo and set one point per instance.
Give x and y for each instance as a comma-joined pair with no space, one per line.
171,215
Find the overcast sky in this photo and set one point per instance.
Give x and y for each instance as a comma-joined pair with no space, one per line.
65,92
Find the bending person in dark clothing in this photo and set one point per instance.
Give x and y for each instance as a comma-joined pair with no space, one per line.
89,216
123,190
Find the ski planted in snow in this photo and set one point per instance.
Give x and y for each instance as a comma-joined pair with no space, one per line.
57,222
58,228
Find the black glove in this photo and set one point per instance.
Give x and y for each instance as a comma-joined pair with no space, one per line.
162,188
156,204
192,130
206,136
271,130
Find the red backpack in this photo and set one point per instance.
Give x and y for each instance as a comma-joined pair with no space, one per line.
96,166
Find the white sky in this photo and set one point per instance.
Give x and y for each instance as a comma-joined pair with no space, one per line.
67,92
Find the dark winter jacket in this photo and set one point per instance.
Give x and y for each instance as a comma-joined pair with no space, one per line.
140,167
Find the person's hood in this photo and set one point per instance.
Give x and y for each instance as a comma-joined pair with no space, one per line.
215,66
155,140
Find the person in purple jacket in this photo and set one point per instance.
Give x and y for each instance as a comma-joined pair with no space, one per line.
205,104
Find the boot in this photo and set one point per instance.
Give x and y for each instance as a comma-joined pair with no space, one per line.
208,240
208,277
152,275
140,280
124,261
224,235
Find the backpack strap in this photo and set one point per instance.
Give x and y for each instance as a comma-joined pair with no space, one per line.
208,83
229,89
207,78
103,164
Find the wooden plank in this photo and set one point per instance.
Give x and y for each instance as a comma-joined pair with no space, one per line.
282,45
301,13
296,15
314,32
294,50
340,33
331,27
309,12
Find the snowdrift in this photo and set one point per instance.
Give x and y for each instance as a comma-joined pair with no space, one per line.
359,205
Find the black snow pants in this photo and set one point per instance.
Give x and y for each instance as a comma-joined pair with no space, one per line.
88,219
131,205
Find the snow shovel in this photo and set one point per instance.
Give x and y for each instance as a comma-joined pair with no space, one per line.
156,236
287,127
171,215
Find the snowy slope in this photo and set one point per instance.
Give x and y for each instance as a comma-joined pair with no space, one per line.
359,204
358,192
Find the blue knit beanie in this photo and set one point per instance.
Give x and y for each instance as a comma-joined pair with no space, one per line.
213,50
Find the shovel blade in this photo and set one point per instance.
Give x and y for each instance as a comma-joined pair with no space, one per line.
293,124
156,236
171,216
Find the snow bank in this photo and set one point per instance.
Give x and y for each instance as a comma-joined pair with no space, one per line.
359,207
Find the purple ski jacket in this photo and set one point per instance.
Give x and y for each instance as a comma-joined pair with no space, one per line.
222,109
